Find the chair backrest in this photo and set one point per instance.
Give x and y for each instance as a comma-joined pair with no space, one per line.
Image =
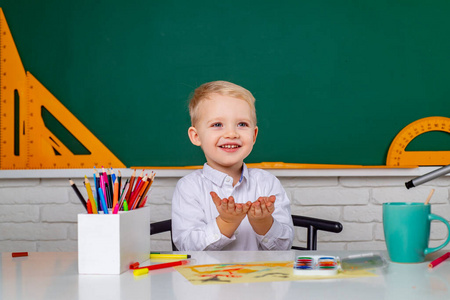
163,226
311,224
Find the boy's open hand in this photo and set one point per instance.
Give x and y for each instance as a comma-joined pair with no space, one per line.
231,214
229,211
260,214
262,207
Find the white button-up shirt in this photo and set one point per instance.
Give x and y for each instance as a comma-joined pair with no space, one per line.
194,214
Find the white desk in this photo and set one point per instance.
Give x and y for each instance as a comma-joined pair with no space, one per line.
55,276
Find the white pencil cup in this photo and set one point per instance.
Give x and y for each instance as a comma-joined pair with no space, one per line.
108,244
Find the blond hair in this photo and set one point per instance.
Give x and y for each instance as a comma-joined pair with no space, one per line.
223,88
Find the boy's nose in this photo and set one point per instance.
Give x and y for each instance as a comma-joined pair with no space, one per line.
231,133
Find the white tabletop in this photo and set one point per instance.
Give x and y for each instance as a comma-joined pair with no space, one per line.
55,276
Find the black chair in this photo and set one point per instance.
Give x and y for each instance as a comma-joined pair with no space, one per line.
163,226
311,224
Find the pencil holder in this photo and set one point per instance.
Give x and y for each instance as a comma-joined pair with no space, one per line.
108,243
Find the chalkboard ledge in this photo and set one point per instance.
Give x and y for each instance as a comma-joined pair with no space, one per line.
163,172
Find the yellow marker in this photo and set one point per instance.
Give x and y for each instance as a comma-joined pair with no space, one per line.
139,272
169,256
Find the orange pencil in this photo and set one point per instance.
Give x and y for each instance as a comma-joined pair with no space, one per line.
152,178
147,188
116,193
141,192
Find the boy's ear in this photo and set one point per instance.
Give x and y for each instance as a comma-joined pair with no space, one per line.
193,136
256,134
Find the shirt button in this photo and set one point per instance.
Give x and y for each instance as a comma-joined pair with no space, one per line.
236,232
228,179
265,240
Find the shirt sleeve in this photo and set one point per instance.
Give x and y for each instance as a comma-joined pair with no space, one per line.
281,234
191,228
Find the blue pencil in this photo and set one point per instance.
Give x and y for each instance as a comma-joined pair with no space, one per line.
102,201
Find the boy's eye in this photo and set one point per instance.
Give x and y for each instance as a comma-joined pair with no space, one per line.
216,125
243,124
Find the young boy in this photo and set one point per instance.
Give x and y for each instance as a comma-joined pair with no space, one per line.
225,205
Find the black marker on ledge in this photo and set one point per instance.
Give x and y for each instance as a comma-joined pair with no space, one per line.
427,177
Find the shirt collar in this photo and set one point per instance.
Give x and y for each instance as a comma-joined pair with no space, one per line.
244,173
218,177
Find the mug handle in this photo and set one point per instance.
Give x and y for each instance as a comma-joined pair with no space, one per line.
438,218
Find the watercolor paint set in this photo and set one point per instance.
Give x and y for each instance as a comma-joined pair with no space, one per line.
316,265
324,265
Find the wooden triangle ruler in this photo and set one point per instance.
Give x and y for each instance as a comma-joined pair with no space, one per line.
398,156
25,141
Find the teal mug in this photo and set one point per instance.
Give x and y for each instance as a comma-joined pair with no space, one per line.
407,231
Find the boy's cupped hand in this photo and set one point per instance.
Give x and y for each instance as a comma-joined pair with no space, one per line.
262,208
230,211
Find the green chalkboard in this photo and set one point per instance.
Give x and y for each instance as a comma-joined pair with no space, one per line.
335,81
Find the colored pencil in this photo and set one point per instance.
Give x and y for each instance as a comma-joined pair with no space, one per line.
142,204
147,189
140,193
138,180
135,194
110,188
429,196
97,185
103,202
122,197
116,193
74,187
119,176
439,260
130,188
89,207
113,175
90,195
159,266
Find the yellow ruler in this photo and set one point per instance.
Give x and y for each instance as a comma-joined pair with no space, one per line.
25,141
397,156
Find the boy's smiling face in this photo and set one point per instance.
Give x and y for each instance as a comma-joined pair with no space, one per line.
225,131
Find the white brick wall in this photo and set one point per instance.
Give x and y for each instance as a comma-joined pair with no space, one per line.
40,213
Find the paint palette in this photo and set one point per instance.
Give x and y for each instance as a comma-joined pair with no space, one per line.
316,265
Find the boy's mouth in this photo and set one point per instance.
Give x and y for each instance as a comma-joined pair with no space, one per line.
229,146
